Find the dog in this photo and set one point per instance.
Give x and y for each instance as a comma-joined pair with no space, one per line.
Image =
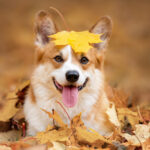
74,80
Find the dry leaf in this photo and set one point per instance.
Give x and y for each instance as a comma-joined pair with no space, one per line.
77,122
112,115
8,110
20,91
125,114
84,136
56,117
142,133
62,134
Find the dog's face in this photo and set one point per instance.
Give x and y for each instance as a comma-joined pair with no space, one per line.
64,72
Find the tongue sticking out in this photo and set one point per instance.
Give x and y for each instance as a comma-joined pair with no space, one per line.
70,96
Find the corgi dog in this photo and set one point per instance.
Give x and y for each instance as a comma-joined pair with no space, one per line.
74,80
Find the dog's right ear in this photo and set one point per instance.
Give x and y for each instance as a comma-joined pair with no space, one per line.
44,26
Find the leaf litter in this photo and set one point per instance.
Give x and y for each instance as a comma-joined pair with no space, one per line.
131,127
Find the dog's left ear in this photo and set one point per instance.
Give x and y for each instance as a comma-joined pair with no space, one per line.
104,26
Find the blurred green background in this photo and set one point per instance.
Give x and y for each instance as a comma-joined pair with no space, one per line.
128,57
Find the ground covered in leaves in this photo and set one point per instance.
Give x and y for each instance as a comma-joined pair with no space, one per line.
131,127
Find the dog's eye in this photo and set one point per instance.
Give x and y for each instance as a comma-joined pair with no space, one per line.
84,60
58,59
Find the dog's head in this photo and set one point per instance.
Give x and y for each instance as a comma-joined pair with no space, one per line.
65,72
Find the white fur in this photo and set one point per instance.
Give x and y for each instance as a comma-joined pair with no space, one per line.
46,99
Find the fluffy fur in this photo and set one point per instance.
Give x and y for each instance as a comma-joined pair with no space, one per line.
92,99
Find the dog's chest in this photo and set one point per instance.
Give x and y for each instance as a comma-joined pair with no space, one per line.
84,106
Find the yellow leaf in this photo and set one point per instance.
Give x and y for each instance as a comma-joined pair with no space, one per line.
60,135
89,137
8,110
14,94
77,122
56,117
131,116
79,41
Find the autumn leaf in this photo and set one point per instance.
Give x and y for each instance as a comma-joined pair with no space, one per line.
60,135
142,133
8,110
89,137
127,115
77,122
79,41
56,117
112,115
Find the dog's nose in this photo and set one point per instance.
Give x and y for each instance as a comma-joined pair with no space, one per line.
72,76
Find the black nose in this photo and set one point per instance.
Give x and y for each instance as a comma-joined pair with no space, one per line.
72,76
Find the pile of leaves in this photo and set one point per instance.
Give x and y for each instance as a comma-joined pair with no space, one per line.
131,127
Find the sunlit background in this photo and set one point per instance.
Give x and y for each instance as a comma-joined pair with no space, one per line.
128,57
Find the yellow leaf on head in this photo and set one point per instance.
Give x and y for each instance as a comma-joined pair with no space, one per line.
79,41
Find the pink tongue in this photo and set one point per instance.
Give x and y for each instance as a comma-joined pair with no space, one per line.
70,96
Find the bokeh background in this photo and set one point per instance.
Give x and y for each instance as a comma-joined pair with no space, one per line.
128,57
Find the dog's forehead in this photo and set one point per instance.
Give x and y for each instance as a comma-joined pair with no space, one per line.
66,51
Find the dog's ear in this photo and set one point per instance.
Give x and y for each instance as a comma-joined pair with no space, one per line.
104,26
44,26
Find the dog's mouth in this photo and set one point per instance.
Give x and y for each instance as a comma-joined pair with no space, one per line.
69,92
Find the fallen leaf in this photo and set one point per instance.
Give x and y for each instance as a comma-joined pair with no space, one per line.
112,115
8,110
56,117
142,133
60,135
90,137
77,122
127,115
